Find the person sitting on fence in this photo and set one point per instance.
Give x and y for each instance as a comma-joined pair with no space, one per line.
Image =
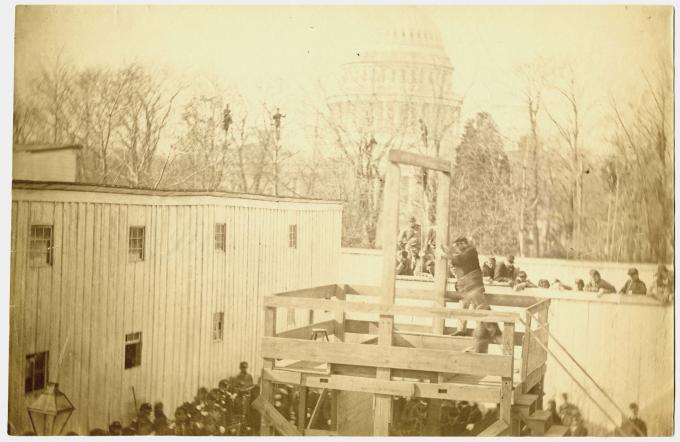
506,271
598,285
523,282
543,283
634,426
634,286
580,285
559,285
489,268
429,267
661,288
411,233
403,267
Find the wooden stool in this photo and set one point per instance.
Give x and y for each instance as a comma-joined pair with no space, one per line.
319,332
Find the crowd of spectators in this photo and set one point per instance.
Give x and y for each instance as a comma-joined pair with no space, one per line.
221,411
416,257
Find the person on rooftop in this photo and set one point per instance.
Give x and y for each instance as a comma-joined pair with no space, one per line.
598,285
634,286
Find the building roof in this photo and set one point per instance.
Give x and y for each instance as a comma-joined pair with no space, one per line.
120,190
44,147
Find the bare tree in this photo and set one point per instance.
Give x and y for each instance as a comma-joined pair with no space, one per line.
146,108
568,127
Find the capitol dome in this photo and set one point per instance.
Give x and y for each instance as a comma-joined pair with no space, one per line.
401,82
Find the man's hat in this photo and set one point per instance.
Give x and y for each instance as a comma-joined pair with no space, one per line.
511,258
460,239
632,271
633,406
243,364
412,219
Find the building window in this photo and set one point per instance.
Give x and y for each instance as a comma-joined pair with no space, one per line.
41,246
220,236
133,350
136,244
36,371
292,236
218,326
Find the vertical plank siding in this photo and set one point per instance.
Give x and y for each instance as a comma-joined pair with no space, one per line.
81,307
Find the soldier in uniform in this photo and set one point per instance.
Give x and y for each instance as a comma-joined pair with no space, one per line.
465,260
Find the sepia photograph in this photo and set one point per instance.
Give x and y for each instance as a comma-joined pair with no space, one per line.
339,220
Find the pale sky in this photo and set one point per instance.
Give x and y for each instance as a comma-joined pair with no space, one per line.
279,52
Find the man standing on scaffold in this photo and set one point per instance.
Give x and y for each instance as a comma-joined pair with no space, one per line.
463,257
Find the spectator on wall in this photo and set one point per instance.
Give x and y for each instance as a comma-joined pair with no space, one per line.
489,268
523,282
559,285
506,271
543,283
634,286
580,285
661,288
599,285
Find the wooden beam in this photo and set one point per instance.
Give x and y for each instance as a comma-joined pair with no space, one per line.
321,433
273,418
306,331
320,292
498,428
445,390
414,159
390,357
506,379
382,415
267,388
441,267
428,294
302,408
384,309
279,376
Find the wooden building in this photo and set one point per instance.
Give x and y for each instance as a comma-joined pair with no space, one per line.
117,291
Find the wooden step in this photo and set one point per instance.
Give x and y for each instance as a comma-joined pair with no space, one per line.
498,428
557,431
525,405
538,422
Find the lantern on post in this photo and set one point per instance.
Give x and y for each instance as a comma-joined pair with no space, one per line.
50,412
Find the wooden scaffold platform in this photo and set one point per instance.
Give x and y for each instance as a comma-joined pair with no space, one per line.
371,355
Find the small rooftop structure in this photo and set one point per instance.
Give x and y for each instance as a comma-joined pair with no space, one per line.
45,162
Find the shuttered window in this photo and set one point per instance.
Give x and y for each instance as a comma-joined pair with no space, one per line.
218,326
36,371
292,236
40,246
221,237
133,350
136,244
